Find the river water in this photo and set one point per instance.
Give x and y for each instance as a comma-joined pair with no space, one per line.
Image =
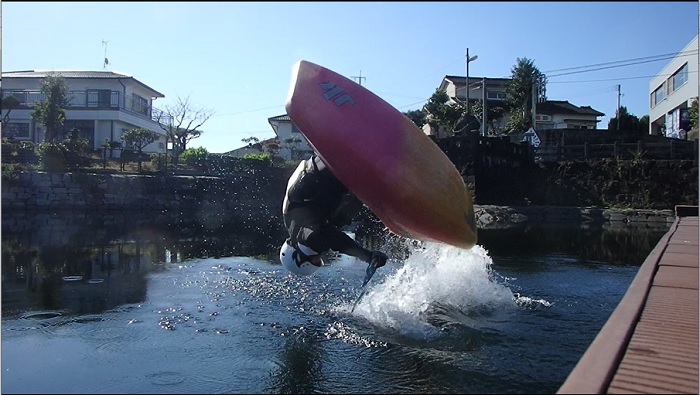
137,304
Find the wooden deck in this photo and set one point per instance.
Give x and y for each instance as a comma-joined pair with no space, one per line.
649,345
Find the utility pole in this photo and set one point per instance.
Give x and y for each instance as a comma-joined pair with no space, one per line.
618,108
484,108
466,82
534,101
359,78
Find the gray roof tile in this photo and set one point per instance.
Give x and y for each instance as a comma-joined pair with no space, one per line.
74,74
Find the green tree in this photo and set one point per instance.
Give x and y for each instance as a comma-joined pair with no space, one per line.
195,156
494,114
525,77
137,139
8,103
181,122
50,112
253,142
442,114
693,112
417,116
293,144
644,124
629,123
270,147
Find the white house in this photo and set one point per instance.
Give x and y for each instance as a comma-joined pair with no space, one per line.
549,114
103,105
293,145
560,114
672,91
495,89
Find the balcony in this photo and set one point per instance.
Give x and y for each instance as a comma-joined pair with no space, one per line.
97,99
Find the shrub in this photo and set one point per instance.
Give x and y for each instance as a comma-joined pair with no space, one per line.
10,172
194,156
264,159
52,157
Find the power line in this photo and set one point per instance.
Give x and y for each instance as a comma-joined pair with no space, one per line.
461,59
614,79
617,65
626,61
413,104
596,67
247,111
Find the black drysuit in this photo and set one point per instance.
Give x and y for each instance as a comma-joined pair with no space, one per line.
316,206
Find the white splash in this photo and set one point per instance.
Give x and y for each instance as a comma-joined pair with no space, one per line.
433,273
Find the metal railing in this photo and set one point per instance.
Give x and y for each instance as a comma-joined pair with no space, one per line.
96,100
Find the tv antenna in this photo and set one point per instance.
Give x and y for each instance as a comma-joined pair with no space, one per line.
106,62
359,78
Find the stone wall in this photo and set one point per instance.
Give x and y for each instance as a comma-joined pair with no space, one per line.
256,192
658,185
493,217
510,199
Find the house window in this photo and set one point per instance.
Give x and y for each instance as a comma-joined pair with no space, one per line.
680,77
16,130
658,95
92,98
34,97
21,97
114,100
496,95
80,128
77,99
295,129
99,98
139,104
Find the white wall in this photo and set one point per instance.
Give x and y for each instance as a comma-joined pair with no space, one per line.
679,97
283,129
103,118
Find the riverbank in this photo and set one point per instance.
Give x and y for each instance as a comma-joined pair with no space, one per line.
257,194
494,217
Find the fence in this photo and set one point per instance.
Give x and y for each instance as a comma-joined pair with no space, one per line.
667,150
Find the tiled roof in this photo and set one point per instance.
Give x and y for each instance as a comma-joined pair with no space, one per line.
75,74
460,79
283,117
564,107
65,74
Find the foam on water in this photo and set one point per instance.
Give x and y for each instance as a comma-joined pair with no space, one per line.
434,274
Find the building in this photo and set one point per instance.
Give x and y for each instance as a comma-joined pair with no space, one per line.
292,144
672,91
103,105
560,114
252,148
549,114
495,89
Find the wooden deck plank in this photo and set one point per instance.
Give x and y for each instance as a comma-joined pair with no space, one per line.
686,248
676,277
649,345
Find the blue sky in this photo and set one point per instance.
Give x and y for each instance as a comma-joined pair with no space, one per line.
236,58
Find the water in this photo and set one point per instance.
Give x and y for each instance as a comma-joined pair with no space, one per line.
163,305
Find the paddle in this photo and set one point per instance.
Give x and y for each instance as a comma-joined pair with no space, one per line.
370,272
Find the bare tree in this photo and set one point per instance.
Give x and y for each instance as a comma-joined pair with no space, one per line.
181,122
